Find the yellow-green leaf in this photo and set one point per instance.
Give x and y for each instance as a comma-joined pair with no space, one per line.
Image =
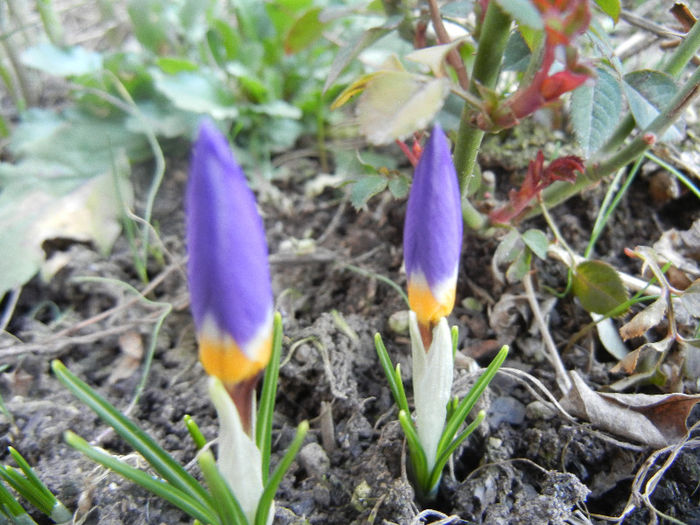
598,286
394,104
353,89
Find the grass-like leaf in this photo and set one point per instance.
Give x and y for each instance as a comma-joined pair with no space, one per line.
53,507
159,459
227,506
418,459
199,440
161,488
263,425
445,454
393,377
465,406
454,332
11,508
27,489
276,478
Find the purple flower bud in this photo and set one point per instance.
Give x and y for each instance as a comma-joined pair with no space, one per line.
432,236
228,272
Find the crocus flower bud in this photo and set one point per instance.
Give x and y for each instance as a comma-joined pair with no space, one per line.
432,236
228,272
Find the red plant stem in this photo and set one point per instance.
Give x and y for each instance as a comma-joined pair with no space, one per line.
407,151
453,57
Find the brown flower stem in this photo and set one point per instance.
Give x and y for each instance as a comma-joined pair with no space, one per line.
242,396
453,57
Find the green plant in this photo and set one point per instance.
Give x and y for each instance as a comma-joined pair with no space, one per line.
502,77
256,67
173,483
26,483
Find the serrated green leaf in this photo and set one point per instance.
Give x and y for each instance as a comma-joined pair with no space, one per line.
394,104
305,30
62,61
517,54
595,111
399,186
523,12
198,92
537,241
611,8
647,92
365,188
598,287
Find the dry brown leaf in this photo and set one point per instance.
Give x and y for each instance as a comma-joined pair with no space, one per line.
690,300
647,318
131,346
680,248
654,420
644,358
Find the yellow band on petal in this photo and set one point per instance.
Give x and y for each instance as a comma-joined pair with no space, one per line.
222,358
427,307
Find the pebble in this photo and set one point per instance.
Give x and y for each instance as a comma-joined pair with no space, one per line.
505,409
398,322
539,410
314,460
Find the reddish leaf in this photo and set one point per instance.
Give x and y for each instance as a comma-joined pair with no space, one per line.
538,178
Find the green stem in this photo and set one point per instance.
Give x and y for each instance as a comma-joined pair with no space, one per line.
51,21
561,191
492,44
684,52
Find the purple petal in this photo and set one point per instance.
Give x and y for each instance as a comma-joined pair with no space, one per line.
228,271
433,227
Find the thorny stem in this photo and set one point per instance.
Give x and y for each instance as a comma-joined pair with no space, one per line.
562,377
492,43
559,192
453,57
679,59
684,52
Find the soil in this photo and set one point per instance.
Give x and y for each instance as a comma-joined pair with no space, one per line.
526,464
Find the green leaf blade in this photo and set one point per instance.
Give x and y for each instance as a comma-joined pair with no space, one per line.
365,188
612,8
598,287
523,12
595,111
537,241
158,458
62,62
648,92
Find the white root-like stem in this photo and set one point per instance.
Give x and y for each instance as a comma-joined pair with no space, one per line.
562,376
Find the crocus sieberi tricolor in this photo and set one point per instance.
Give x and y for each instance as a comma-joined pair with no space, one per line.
433,233
229,276
231,302
432,245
